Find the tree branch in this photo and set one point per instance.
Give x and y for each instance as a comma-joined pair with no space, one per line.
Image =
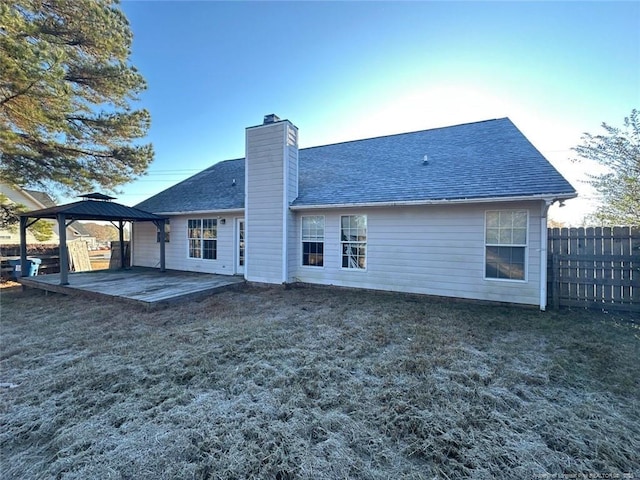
18,94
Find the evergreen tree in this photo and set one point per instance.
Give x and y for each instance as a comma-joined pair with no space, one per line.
66,94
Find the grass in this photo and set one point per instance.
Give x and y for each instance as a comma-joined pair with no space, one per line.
314,383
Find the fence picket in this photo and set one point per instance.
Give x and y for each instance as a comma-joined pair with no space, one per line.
607,249
573,271
599,270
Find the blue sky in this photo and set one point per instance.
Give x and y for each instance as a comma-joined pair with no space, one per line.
348,70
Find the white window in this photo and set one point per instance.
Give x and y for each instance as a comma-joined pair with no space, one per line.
353,237
202,235
506,244
313,241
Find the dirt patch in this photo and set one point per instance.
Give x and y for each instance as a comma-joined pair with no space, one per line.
315,383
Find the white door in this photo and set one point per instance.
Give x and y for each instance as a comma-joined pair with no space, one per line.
240,246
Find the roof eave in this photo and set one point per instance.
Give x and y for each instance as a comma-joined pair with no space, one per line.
131,215
548,197
101,218
202,212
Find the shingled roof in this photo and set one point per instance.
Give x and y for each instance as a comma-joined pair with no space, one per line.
489,159
211,189
94,210
41,197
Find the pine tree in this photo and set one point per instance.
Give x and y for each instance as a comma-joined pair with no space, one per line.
66,94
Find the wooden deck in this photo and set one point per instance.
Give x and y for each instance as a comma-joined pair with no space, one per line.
143,286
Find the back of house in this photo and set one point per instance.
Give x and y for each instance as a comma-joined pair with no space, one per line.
458,211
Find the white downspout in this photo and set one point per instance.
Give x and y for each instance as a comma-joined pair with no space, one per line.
543,253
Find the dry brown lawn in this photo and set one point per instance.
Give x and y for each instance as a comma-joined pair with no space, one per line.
314,383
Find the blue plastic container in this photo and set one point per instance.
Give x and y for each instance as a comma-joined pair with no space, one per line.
33,264
33,268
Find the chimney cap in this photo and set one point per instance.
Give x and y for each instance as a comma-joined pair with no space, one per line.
271,118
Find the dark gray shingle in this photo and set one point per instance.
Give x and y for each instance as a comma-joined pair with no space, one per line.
471,161
211,189
42,197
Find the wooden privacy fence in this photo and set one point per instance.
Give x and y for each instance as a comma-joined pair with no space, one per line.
78,255
47,253
594,267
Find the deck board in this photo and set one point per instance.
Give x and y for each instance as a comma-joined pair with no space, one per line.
145,286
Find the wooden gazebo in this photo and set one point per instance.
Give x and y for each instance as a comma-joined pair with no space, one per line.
93,206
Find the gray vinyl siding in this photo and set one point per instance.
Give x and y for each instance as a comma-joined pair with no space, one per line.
147,250
272,184
292,246
292,194
435,250
265,203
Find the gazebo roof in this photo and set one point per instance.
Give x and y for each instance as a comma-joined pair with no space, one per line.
95,210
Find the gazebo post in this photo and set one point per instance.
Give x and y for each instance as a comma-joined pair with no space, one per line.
121,233
161,227
64,256
23,246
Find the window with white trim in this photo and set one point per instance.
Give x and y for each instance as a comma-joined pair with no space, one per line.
202,234
353,239
506,244
313,241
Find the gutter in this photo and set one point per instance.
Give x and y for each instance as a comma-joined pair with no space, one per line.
543,196
201,212
547,197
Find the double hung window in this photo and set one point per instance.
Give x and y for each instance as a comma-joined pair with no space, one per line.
506,244
202,234
353,237
313,241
